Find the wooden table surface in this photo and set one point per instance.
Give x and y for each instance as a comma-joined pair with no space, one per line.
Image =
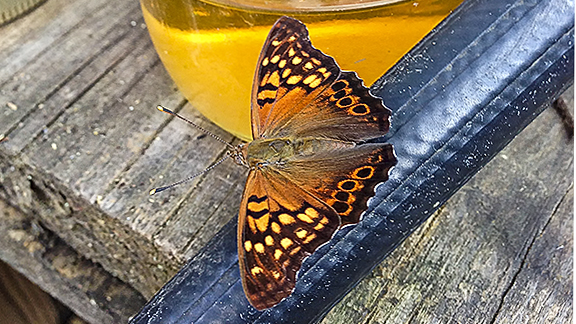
82,144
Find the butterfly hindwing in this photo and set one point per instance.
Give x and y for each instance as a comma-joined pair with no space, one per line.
278,228
343,178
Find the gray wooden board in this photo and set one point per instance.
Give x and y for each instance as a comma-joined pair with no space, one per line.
83,144
499,251
83,286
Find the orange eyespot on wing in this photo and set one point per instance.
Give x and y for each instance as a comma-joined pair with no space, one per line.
348,192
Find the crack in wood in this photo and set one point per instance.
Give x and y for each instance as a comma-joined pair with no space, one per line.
525,255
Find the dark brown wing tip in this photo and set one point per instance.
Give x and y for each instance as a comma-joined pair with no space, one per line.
265,303
380,111
291,23
262,299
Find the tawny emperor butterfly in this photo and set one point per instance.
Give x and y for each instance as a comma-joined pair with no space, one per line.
311,171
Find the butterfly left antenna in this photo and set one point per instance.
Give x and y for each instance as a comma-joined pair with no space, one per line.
170,112
228,154
159,189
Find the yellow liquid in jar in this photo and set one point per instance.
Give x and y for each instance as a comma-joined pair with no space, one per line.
211,50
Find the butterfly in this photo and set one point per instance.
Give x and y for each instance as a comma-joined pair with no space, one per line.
311,170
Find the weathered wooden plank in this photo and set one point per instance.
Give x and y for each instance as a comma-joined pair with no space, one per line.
542,290
89,143
31,35
51,69
76,85
91,128
84,165
470,263
86,288
215,201
177,152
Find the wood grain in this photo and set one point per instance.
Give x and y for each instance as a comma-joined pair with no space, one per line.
83,143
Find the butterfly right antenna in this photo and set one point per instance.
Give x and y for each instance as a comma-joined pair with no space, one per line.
170,112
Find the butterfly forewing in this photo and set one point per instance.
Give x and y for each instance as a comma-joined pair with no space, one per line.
344,111
290,74
278,228
295,82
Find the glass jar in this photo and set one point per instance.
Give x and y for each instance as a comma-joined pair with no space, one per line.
210,48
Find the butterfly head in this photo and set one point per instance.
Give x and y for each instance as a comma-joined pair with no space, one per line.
239,153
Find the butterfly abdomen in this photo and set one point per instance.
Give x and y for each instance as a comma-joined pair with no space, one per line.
264,152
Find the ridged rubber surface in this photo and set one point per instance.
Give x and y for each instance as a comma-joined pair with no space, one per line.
457,99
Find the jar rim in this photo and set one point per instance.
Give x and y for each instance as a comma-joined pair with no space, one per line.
303,5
